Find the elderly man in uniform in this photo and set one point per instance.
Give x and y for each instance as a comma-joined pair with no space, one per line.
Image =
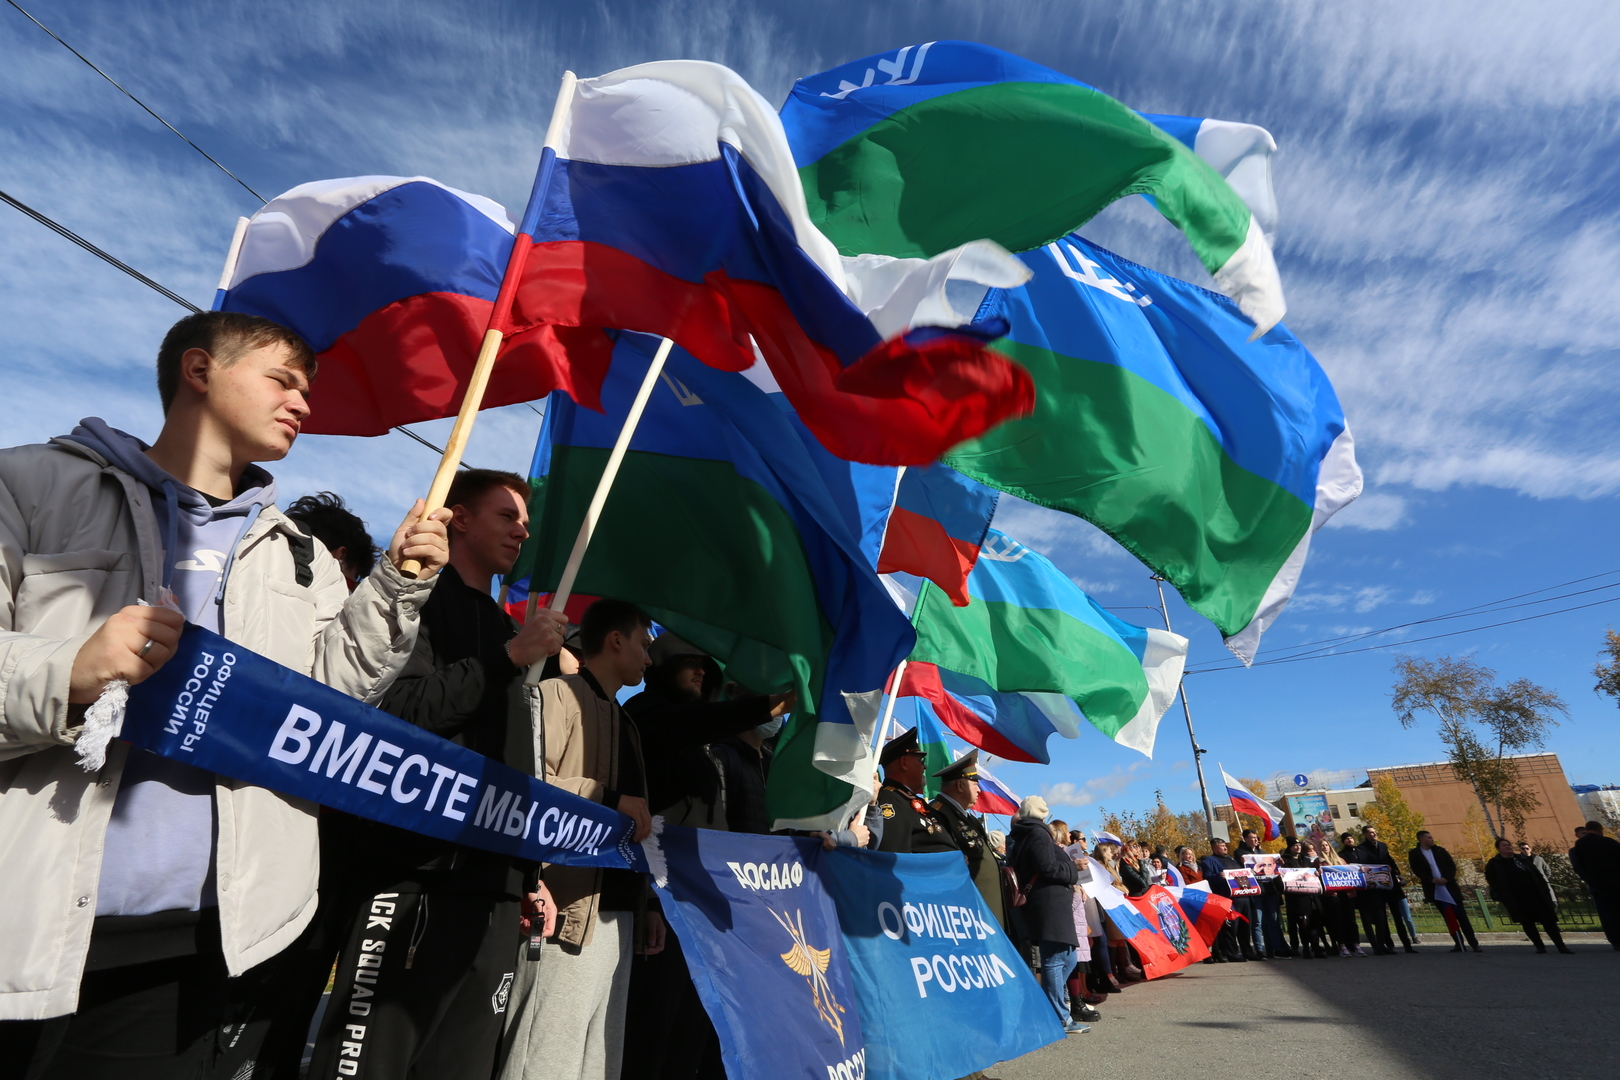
909,826
958,794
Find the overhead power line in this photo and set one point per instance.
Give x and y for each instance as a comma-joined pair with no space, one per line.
63,230
1328,650
136,100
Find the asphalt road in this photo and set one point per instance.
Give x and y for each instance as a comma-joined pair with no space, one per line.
1507,1012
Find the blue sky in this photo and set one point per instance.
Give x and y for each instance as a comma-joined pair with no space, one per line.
1447,175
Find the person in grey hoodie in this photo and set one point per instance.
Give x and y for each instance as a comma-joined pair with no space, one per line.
148,903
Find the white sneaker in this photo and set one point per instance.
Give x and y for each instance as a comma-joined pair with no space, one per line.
1362,952
1343,951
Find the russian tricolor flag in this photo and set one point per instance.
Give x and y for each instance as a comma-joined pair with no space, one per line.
1009,725
667,201
938,524
995,797
1245,801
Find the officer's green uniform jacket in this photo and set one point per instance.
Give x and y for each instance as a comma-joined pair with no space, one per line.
969,834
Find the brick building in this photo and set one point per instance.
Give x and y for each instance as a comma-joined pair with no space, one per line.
1434,791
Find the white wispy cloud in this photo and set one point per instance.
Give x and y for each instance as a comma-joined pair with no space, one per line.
1067,793
1359,599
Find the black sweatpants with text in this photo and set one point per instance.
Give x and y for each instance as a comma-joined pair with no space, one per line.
421,988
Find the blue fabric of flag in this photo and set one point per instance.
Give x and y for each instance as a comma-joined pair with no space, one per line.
762,940
1010,573
942,991
1268,402
962,506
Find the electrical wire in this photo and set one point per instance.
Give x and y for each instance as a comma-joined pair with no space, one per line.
1409,641
64,231
136,100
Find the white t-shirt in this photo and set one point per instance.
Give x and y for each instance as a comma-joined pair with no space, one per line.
1441,893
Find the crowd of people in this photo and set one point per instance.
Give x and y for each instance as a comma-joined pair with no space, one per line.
167,922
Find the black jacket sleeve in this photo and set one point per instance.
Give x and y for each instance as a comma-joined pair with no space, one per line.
1042,860
666,725
445,699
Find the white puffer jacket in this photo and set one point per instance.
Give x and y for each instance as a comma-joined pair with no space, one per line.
78,541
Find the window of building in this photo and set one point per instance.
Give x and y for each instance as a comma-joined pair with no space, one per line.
1353,812
1334,809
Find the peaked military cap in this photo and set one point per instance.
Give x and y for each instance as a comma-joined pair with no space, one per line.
900,744
965,767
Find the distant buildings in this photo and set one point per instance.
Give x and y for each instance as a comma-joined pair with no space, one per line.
1434,791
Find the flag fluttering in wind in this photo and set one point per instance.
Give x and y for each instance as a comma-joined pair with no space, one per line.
391,280
937,526
995,797
667,202
730,525
1008,725
1241,153
1029,628
1245,801
915,152
1212,458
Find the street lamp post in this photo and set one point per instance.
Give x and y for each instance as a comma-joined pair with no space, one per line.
1198,751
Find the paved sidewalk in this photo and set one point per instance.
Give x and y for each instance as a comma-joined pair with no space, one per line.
1507,1013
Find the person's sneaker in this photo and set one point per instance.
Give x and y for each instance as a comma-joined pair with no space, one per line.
1343,951
1361,952
1074,1028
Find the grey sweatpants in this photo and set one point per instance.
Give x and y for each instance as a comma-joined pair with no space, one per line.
566,1018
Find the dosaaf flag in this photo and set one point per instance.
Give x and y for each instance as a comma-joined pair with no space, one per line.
915,152
757,926
1159,907
942,992
1212,458
1206,910
1030,628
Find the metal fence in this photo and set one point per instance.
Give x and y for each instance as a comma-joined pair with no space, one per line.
1575,912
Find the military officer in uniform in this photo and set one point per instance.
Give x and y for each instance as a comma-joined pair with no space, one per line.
958,792
909,826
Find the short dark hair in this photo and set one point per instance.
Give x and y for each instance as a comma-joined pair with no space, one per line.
1594,826
224,335
470,485
605,616
324,517
1424,832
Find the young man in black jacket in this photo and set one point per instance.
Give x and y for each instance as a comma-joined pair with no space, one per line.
1436,871
1378,904
432,926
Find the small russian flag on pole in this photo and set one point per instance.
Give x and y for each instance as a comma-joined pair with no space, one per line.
1245,801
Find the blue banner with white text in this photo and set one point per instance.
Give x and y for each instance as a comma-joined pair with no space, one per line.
942,991
222,708
762,942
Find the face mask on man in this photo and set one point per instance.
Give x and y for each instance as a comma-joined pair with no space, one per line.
769,728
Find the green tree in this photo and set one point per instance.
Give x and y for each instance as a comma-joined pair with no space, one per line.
1481,726
1395,820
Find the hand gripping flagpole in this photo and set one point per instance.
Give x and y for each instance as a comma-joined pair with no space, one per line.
499,317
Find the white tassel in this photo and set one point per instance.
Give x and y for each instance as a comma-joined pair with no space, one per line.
103,721
657,864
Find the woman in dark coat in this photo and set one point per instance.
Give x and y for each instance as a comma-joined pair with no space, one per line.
1047,876
1306,933
1518,885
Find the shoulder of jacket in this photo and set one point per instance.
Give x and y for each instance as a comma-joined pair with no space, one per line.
44,463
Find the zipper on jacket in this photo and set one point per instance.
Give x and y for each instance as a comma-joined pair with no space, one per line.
418,931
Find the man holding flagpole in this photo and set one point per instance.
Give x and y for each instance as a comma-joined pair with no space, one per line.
148,901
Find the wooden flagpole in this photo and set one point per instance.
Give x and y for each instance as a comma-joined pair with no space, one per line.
491,347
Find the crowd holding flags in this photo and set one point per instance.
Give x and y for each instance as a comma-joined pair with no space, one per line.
796,358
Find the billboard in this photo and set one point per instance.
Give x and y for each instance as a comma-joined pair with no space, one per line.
1310,814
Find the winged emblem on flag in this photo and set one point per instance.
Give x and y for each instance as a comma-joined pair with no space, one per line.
812,963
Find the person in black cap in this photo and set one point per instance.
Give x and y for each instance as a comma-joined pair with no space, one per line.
958,793
909,826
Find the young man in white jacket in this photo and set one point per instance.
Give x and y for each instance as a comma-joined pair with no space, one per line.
143,901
